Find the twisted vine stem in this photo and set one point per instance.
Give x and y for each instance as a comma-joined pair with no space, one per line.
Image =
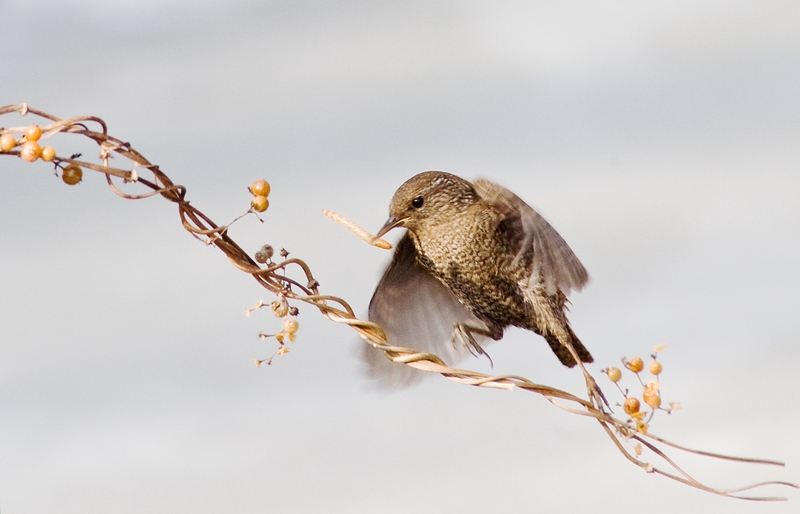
273,277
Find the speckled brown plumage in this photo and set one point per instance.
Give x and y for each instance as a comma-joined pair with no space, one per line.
495,256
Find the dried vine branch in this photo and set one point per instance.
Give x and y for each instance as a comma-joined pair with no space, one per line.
273,276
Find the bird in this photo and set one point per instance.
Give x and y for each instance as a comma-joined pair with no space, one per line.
475,259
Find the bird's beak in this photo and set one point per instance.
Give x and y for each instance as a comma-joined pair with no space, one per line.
389,225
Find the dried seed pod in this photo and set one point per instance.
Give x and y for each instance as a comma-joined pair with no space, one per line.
279,308
268,250
290,326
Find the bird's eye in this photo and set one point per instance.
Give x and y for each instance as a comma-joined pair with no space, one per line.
417,202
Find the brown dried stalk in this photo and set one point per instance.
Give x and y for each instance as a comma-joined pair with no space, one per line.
273,277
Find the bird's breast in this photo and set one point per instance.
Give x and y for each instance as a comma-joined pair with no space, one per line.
469,264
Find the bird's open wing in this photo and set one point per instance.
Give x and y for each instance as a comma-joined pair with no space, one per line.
554,263
417,311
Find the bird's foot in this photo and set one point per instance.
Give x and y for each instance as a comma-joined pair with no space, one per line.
465,334
596,395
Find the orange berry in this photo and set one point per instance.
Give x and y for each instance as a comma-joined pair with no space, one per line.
33,133
72,174
260,188
48,153
631,406
260,203
614,374
636,365
30,151
7,142
653,400
655,367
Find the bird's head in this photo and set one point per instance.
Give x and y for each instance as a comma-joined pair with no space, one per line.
429,199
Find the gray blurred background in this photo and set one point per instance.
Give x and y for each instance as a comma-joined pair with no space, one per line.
662,139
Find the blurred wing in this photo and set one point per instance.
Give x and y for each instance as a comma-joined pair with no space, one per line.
417,311
552,260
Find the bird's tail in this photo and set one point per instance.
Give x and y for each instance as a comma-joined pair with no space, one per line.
564,354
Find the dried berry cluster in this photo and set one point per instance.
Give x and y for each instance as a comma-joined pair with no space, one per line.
31,151
651,391
280,309
260,191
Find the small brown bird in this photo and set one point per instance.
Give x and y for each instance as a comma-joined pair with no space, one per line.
475,259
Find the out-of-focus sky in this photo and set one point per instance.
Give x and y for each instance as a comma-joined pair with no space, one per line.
662,139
